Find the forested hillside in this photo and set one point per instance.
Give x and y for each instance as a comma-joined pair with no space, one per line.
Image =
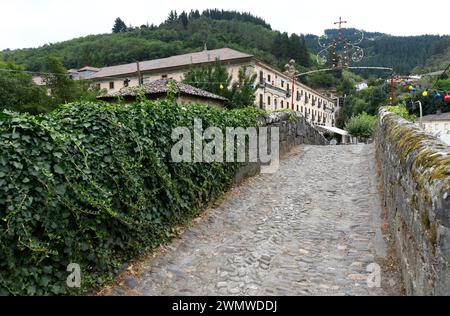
188,32
403,53
440,58
178,34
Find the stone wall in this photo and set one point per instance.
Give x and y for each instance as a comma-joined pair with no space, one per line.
294,130
415,169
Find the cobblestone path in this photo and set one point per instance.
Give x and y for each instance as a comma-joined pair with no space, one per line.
313,228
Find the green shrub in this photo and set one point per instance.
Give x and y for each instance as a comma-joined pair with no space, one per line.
93,184
362,126
402,111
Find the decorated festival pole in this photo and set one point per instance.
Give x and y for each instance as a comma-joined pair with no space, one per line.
392,91
291,72
293,91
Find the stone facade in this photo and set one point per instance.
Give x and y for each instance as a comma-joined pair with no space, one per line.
294,130
415,169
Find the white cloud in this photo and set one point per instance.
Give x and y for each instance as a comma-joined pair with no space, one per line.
27,23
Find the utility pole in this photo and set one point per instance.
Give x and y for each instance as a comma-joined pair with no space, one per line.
141,81
392,91
291,72
293,91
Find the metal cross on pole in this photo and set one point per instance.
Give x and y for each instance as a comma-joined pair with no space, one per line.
340,27
340,22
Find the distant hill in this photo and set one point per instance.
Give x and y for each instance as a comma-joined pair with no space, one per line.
184,33
439,60
403,53
189,32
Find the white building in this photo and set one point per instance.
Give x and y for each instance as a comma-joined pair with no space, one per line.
274,87
438,125
362,86
83,73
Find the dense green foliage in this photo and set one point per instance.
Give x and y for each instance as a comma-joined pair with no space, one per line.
430,104
94,184
243,91
18,91
119,26
212,77
188,32
402,111
362,126
403,53
356,102
216,79
216,14
63,89
179,34
440,57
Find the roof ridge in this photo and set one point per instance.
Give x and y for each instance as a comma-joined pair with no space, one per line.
160,86
225,53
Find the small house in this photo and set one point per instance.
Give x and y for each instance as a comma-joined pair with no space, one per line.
158,89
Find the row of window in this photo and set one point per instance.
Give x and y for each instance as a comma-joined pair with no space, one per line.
300,93
269,80
126,82
261,101
301,109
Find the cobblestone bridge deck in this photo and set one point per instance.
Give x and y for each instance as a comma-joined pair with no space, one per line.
313,228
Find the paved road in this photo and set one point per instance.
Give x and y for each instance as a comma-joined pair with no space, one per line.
313,228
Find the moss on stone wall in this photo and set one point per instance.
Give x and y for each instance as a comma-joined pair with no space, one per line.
427,157
416,179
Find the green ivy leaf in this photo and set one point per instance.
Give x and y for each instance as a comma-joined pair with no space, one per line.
58,169
17,165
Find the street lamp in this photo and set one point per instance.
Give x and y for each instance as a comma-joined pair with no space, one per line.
421,113
291,71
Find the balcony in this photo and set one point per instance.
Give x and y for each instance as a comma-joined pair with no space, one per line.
270,86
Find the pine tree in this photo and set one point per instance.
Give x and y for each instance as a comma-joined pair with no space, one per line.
184,20
304,59
119,26
173,17
243,91
214,78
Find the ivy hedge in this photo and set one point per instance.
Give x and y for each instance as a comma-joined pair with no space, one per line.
93,184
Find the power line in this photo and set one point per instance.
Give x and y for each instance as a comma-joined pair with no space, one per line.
102,78
332,69
209,82
440,77
34,72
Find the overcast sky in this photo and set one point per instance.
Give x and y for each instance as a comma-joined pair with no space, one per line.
32,23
